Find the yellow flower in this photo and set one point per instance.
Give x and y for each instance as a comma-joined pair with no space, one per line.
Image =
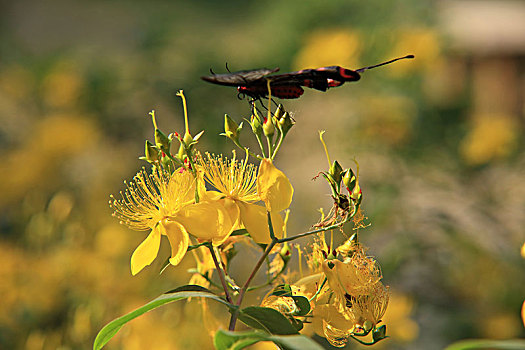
329,323
165,204
238,188
362,314
354,276
353,300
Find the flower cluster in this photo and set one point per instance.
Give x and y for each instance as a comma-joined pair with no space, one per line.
207,203
173,200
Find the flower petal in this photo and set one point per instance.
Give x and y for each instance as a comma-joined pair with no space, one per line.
255,219
208,220
179,240
146,252
273,187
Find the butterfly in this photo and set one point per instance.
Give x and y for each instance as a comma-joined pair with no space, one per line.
254,83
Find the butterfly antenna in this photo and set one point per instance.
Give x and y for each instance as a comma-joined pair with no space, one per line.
227,68
382,64
212,72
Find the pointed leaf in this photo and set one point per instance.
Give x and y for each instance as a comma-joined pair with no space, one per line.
225,340
267,319
184,292
302,304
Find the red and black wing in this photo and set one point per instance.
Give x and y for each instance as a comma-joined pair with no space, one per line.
319,79
241,78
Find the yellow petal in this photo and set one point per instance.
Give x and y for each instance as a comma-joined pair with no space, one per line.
209,221
183,179
146,252
179,240
273,187
232,208
255,219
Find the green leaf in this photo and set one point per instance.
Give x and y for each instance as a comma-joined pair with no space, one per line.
269,320
190,288
184,292
479,344
282,290
303,304
239,232
225,340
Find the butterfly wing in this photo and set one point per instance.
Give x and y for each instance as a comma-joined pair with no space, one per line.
240,78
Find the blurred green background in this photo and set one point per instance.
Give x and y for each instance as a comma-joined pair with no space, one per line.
439,140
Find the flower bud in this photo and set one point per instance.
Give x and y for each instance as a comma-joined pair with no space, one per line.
256,123
335,172
162,141
368,325
285,252
151,152
379,333
268,127
349,180
286,122
166,163
231,129
279,112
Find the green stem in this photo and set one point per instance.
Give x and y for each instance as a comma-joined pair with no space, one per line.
270,145
281,138
318,290
220,272
260,145
305,234
244,288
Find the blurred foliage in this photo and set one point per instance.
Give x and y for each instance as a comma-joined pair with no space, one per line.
443,174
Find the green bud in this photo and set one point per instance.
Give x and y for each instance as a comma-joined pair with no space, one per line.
285,252
162,141
231,129
151,152
269,127
349,180
188,142
335,172
166,163
286,122
279,112
379,333
256,123
188,139
357,197
368,325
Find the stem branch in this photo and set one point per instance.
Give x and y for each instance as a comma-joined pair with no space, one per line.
221,274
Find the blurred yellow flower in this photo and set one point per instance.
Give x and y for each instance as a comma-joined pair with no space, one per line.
386,118
165,204
424,43
400,327
238,187
492,137
523,313
63,86
329,47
